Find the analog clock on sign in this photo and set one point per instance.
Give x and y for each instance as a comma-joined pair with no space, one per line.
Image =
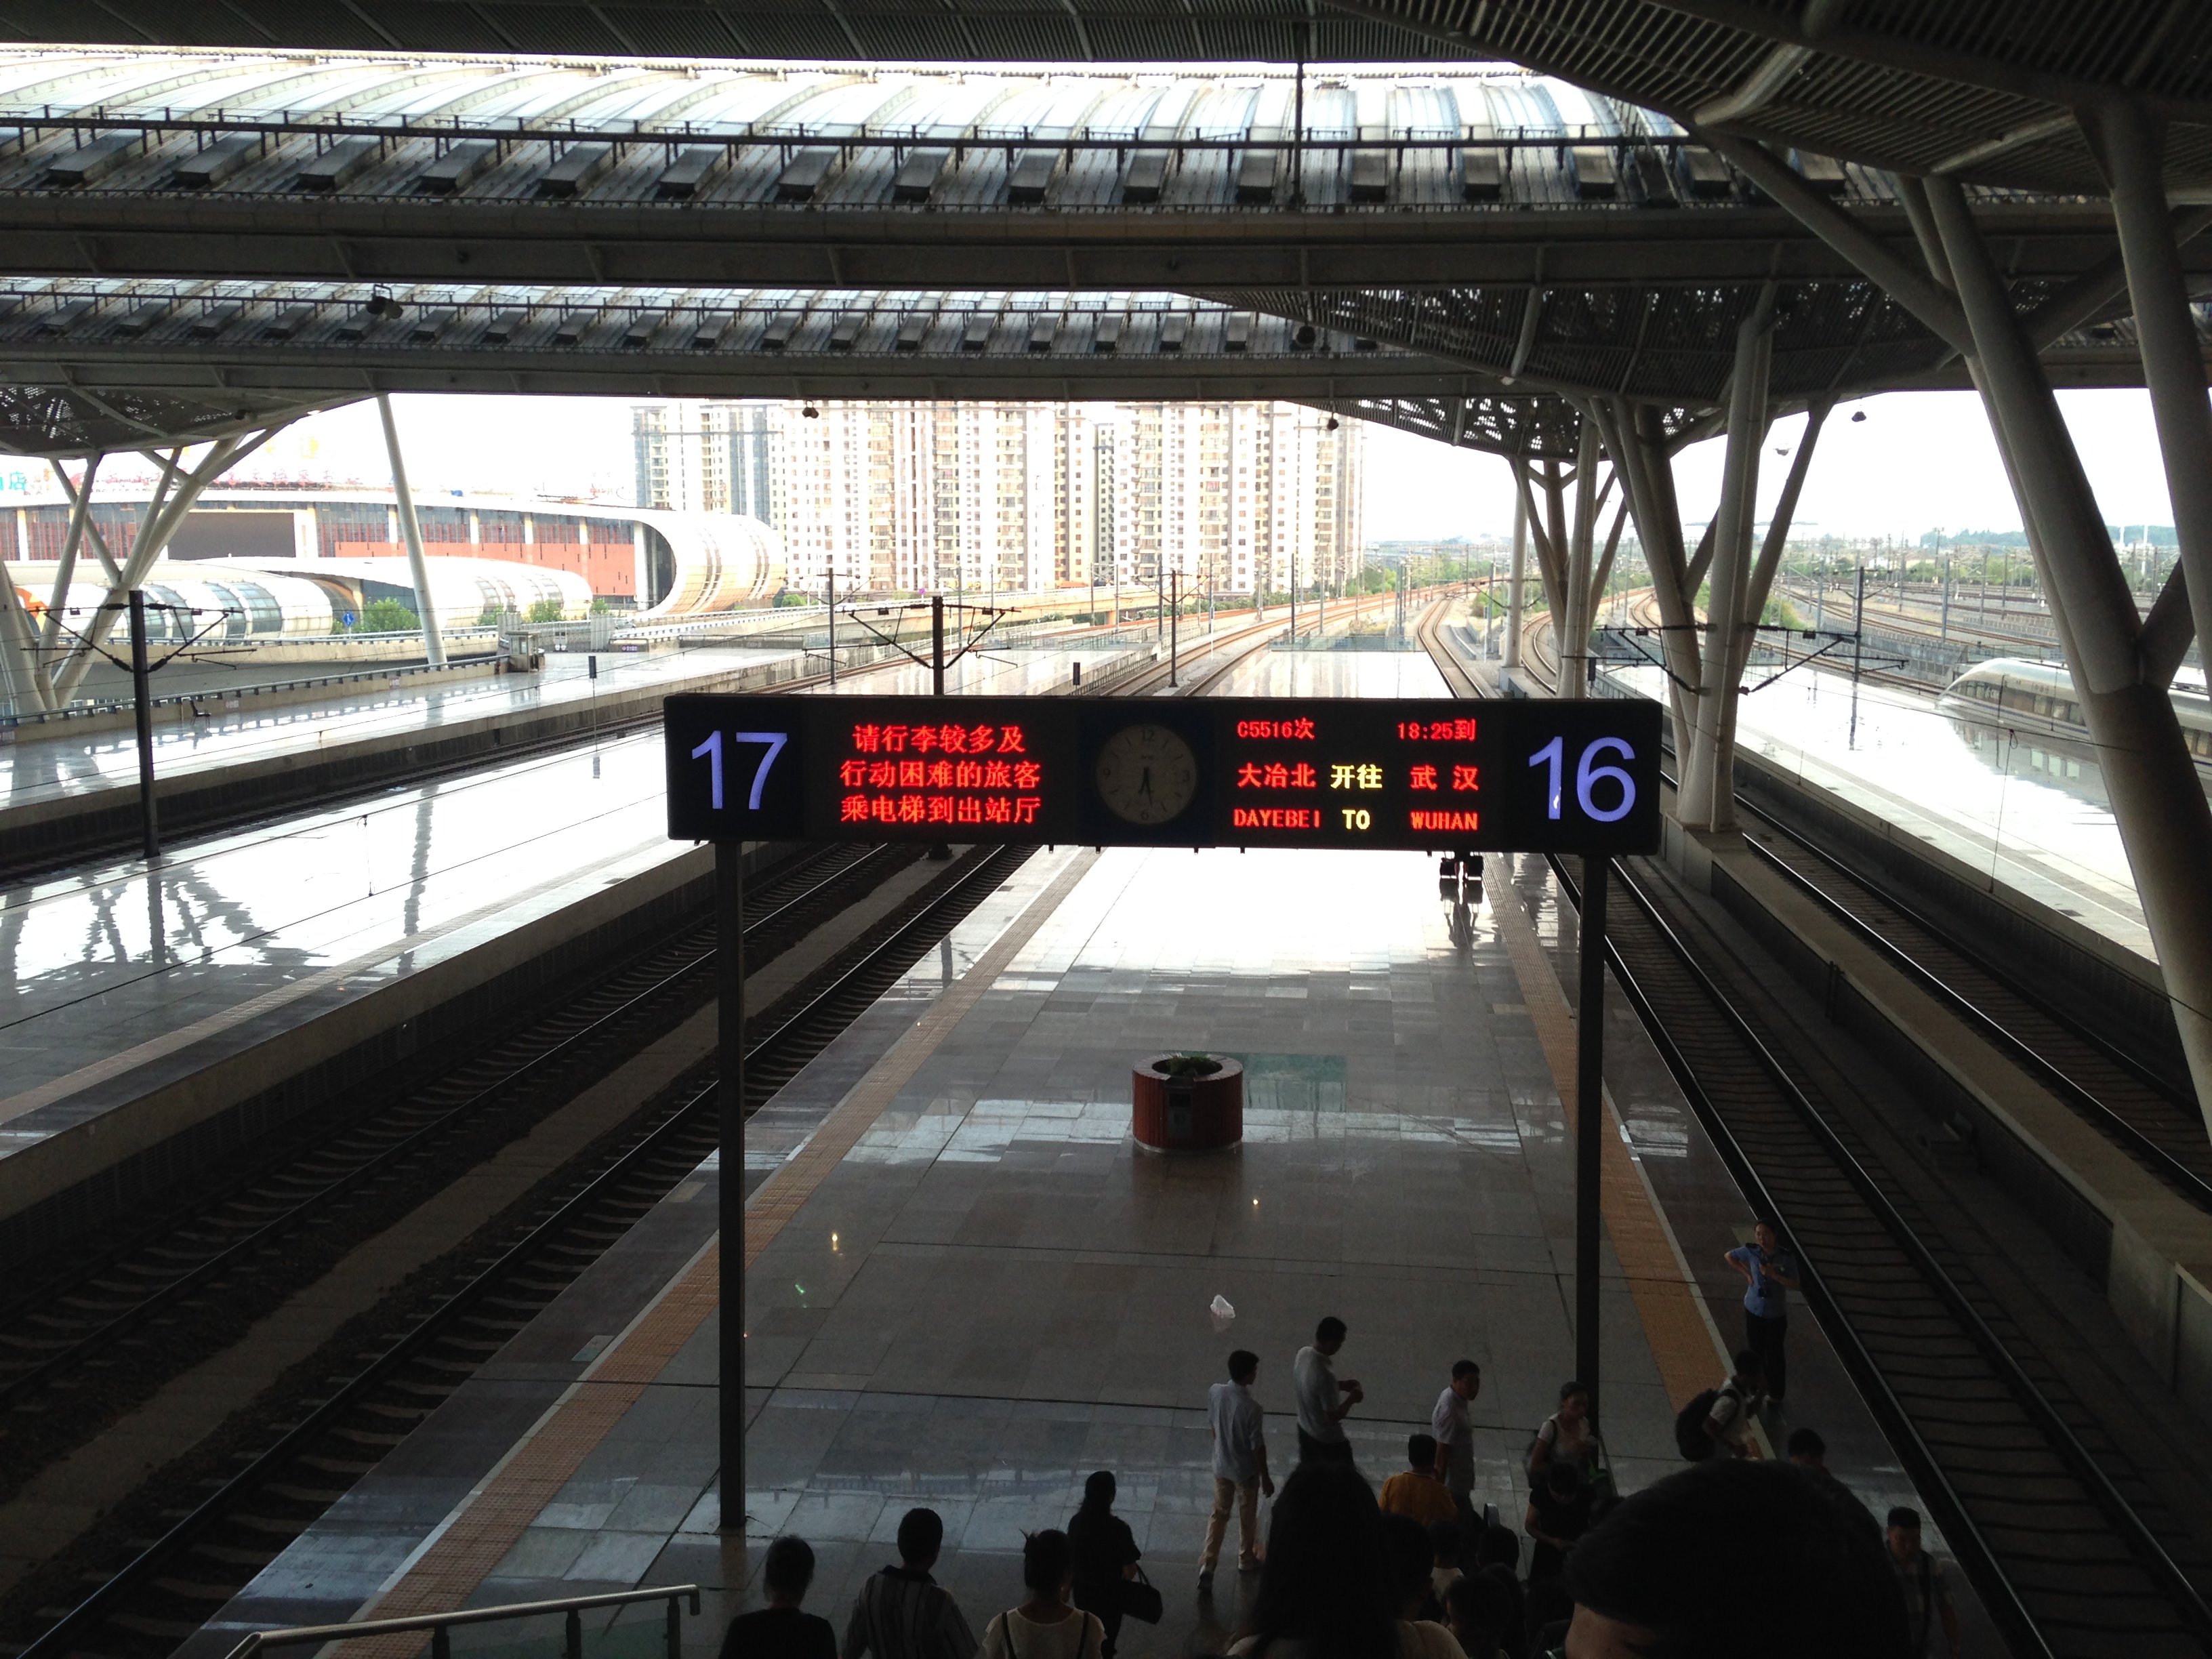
1146,774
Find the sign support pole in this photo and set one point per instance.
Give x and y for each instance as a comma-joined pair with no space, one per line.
936,644
141,693
730,1032
1589,1124
1174,618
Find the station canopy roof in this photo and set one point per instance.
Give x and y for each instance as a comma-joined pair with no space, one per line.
1990,92
1490,220
1987,90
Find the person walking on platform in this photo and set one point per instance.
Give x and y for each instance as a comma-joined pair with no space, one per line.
1414,1490
1770,1273
1565,1437
901,1612
1920,1580
1323,1401
1237,1424
1106,1555
780,1630
1047,1626
1452,1422
1810,1453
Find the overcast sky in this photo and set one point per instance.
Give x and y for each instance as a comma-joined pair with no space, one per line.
1919,460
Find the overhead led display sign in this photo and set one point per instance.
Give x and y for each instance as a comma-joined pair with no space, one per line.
1530,776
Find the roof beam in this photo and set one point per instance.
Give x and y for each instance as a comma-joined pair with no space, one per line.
1756,91
1936,309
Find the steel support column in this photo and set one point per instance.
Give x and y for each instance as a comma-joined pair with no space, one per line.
730,1105
1590,1130
1574,624
1512,662
2132,150
2164,820
418,568
1707,797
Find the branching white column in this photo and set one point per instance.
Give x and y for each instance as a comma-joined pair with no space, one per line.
179,489
1706,799
433,645
2132,149
2164,820
1636,438
1520,574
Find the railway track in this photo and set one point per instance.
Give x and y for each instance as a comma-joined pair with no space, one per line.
2150,1113
100,1315
2070,1545
2153,1117
299,1456
78,1336
177,822
2068,1540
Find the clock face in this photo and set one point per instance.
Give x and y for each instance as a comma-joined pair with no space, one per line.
1146,774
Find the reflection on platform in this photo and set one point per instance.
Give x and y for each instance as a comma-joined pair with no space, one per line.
2012,808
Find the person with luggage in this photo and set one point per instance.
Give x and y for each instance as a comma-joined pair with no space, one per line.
1106,1556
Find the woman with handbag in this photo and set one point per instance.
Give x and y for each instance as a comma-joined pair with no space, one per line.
1046,1626
1106,1556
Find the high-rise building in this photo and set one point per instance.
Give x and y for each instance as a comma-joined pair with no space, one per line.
706,458
978,497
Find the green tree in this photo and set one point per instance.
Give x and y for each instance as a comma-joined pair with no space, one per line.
548,610
388,617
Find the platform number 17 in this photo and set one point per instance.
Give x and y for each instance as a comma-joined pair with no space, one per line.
711,752
1588,773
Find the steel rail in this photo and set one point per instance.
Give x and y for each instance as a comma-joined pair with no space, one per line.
59,1638
2085,1468
2096,1039
269,1233
2191,1186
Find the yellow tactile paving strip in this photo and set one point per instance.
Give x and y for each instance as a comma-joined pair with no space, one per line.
476,1537
1684,1341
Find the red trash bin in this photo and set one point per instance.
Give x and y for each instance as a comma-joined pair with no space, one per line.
1188,1103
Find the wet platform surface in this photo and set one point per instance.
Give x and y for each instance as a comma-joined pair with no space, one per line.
120,980
968,1289
2002,806
57,763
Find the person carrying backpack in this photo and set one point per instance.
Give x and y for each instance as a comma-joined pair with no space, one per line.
1719,1418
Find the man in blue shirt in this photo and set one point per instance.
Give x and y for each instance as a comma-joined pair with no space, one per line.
1770,1273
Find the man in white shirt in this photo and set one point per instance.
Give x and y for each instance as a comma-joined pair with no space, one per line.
1324,1401
1452,1422
1729,1424
1236,1421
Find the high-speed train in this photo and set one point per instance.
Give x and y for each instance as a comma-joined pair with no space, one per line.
2025,717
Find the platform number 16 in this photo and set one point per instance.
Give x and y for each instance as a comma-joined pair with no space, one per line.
711,752
1588,772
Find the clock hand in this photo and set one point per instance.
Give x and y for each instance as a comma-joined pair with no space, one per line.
1144,787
